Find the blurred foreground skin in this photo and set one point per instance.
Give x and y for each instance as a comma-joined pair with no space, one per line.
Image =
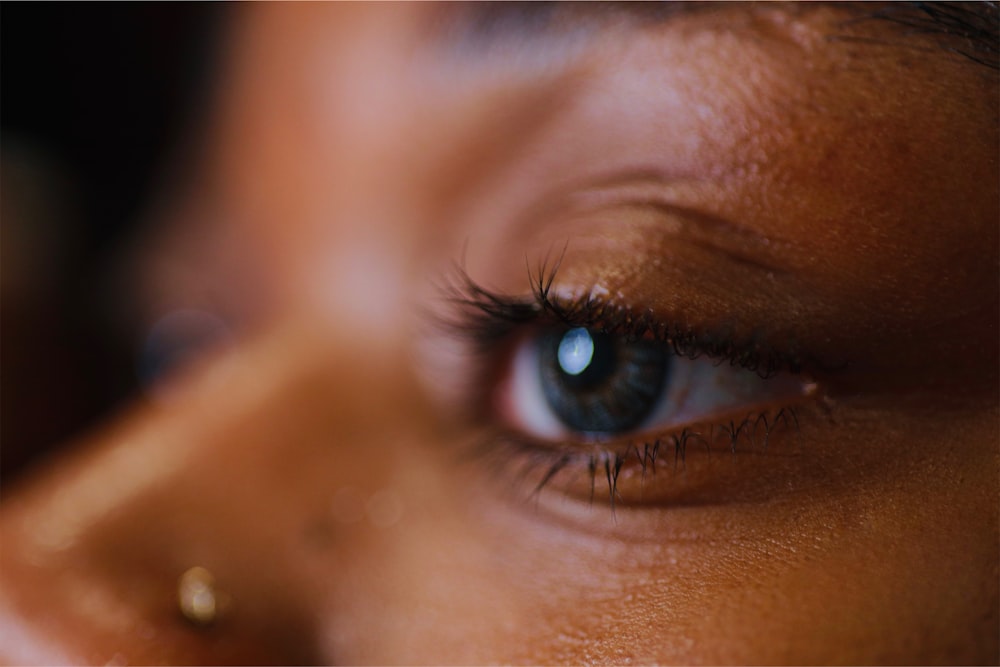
317,469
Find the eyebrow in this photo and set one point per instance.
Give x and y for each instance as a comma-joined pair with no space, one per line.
970,29
484,23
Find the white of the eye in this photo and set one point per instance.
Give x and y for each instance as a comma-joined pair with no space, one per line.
525,398
576,351
700,389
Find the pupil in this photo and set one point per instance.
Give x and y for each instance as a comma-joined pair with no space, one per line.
598,383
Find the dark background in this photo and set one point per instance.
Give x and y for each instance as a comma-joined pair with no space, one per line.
93,99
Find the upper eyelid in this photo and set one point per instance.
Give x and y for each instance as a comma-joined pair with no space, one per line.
495,316
613,318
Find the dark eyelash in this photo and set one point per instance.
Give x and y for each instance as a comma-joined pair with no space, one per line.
500,449
487,317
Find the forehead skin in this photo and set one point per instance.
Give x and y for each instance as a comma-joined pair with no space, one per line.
844,191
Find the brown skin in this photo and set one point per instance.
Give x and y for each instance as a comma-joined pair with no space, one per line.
841,194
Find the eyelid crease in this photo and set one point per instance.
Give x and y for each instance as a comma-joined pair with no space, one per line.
661,193
716,234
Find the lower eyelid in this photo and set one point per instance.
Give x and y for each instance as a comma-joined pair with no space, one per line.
583,445
687,466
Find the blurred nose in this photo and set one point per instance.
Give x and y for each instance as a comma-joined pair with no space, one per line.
209,526
221,523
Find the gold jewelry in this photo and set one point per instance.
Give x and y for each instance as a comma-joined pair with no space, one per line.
197,596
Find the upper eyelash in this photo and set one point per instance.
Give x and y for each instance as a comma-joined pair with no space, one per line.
488,317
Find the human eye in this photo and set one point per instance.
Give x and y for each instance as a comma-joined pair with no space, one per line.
567,382
586,387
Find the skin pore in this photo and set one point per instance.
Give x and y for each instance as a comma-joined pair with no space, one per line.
778,177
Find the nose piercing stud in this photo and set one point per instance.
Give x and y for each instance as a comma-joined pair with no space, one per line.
197,596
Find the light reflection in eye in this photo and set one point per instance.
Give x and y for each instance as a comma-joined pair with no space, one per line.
576,351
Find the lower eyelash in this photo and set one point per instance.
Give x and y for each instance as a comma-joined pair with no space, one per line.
519,458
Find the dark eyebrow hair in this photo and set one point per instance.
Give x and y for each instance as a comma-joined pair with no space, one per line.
481,24
970,29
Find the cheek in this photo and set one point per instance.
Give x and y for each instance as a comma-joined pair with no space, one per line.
877,557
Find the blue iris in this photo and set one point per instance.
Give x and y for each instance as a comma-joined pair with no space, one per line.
599,383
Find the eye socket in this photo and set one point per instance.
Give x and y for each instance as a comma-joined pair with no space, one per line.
580,384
